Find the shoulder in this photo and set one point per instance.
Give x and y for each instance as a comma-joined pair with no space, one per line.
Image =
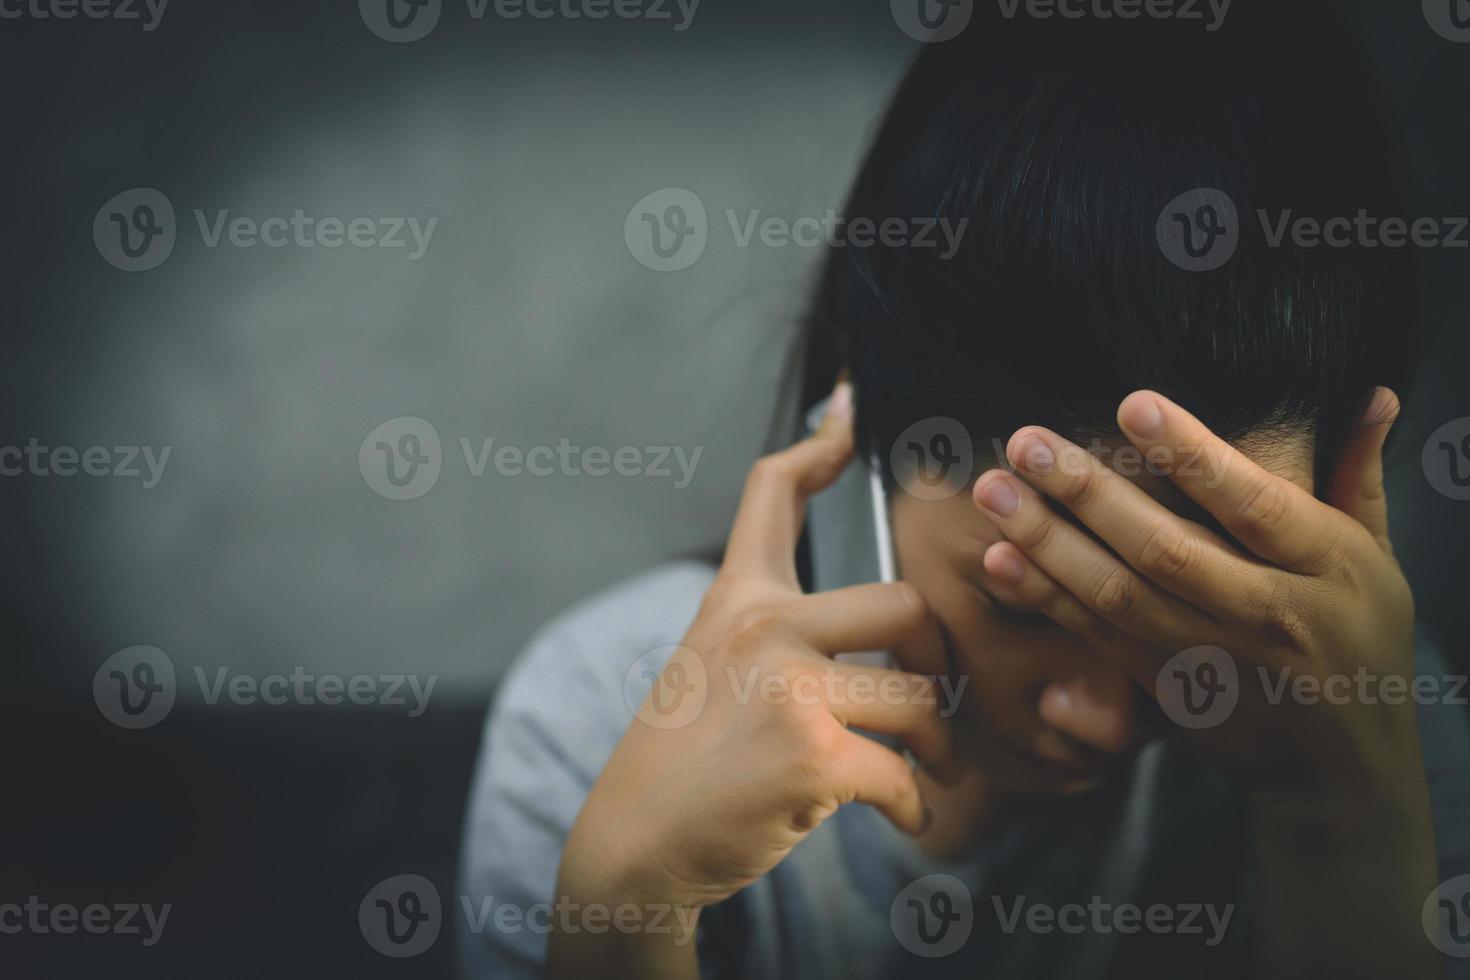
583,655
655,604
564,696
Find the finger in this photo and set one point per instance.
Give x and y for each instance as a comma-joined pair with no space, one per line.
872,617
909,707
1099,579
768,522
1183,557
1357,482
1272,517
1035,591
867,772
1029,589
1097,710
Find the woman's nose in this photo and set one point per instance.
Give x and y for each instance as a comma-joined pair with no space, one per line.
1099,710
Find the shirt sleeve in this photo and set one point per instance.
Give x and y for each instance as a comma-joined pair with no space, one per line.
554,722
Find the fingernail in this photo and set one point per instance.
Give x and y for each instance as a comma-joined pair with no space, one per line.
999,497
1144,417
1004,566
840,405
1381,408
1036,456
1058,699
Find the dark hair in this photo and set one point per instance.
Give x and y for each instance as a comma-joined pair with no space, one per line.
1062,142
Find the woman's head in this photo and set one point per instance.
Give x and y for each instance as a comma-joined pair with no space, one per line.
1059,144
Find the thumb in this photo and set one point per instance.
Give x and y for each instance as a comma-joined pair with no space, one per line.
1356,488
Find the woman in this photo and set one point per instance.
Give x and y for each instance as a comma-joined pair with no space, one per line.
1183,511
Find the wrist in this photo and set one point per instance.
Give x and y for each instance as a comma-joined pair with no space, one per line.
610,925
1340,884
1390,820
594,869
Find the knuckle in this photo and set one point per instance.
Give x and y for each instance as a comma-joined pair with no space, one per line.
830,456
1333,552
1082,485
1373,492
773,470
1283,620
1266,505
909,603
906,794
791,674
1354,559
1168,551
807,818
1287,624
754,628
721,594
1115,593
1037,535
1216,460
814,746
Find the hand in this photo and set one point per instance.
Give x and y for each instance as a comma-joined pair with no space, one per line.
689,815
1302,587
1339,804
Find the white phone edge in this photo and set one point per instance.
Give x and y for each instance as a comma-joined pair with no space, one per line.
878,499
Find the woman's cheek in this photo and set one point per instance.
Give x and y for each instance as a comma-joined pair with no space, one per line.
1001,672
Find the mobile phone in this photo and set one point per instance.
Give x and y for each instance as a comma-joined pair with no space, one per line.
849,533
849,538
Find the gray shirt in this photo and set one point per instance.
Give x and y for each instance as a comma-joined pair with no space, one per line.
1151,875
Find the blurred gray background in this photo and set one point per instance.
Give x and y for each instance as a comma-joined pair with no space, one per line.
527,321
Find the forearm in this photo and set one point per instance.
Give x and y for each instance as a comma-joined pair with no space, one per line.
605,930
622,956
1341,888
